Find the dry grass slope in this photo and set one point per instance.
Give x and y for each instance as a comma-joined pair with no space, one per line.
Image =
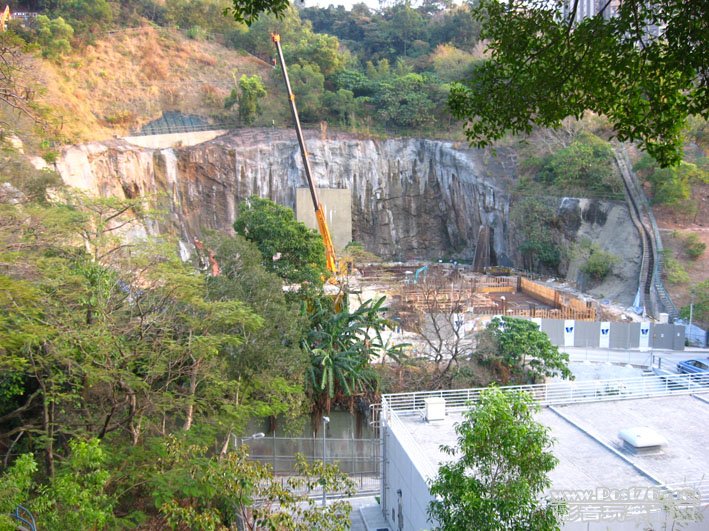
130,77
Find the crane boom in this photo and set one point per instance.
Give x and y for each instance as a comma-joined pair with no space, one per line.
330,257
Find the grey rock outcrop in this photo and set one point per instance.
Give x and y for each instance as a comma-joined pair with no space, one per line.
411,198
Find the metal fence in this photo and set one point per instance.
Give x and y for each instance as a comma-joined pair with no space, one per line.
359,458
561,392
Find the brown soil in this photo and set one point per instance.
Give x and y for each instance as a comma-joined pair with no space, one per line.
130,77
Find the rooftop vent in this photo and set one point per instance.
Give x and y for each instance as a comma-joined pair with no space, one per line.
435,409
642,440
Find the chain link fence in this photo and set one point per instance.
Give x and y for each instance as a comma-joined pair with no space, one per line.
358,458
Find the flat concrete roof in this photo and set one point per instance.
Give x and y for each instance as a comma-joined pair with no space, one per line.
586,435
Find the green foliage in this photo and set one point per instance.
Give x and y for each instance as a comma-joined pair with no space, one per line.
700,297
404,101
251,91
76,496
54,36
585,168
196,33
450,63
248,11
33,183
308,87
341,346
87,17
673,270
199,17
268,363
544,68
693,246
671,186
500,471
598,263
321,51
343,105
192,488
288,248
15,484
524,350
535,223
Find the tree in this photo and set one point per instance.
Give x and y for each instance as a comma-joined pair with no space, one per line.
341,346
77,496
501,467
54,36
87,17
534,220
15,484
451,63
524,350
439,322
644,67
15,92
585,167
308,87
342,104
252,90
288,248
269,362
699,295
404,101
248,11
197,490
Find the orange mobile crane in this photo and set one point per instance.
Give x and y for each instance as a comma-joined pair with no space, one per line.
330,257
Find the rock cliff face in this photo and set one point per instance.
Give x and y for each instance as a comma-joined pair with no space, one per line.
411,198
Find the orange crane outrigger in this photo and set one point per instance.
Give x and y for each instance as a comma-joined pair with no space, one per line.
330,257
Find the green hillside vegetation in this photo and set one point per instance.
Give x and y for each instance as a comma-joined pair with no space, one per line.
122,368
113,67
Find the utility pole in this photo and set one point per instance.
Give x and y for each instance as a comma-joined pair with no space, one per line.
325,422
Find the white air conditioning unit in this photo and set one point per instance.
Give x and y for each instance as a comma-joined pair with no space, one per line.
642,440
435,409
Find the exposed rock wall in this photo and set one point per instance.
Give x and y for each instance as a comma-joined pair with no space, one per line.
411,198
607,224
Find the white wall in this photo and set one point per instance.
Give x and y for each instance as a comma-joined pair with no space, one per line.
401,473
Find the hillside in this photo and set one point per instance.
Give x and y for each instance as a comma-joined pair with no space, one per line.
131,76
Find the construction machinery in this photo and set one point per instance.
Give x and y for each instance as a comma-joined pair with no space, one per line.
4,18
330,257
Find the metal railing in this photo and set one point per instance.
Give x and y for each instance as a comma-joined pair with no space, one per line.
558,393
699,488
648,226
420,460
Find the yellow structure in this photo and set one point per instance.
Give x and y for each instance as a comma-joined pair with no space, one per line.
4,18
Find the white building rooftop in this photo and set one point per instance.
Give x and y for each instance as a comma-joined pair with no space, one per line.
585,419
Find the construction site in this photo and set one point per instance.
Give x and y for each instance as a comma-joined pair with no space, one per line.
445,288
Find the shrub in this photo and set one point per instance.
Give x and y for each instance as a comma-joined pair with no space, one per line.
674,272
599,264
196,33
693,247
